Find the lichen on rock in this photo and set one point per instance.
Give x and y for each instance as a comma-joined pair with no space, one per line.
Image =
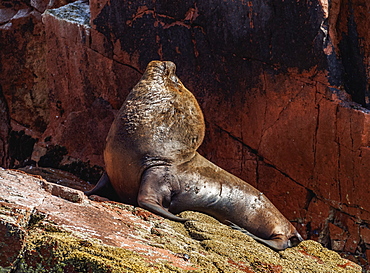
60,251
51,233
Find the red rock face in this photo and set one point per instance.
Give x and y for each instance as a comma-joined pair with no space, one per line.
271,78
23,65
23,77
4,131
86,89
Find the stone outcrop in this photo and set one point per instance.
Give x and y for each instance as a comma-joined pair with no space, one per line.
86,86
4,131
48,226
23,77
284,88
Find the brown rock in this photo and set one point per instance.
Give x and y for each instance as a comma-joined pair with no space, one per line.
4,131
365,235
350,225
82,112
22,76
351,38
276,85
338,237
43,230
13,221
64,192
282,191
318,213
336,233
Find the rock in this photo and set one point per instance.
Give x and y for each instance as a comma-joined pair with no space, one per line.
4,131
13,233
82,112
23,69
42,229
283,86
58,177
22,76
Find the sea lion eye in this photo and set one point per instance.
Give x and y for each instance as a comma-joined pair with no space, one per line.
174,79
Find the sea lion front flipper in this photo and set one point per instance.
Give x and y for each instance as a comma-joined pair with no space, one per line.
155,192
276,244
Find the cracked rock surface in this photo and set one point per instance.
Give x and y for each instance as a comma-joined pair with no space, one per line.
50,231
284,87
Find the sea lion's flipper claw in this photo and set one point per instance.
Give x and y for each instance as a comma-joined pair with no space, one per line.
276,244
102,183
154,192
157,209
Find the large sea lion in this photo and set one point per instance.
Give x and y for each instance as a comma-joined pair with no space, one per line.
151,161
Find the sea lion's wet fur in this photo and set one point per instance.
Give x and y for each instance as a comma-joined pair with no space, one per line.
151,161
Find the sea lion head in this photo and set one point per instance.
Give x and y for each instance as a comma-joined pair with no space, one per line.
162,116
161,72
295,238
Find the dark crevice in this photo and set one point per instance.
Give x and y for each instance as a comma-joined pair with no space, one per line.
259,157
354,76
20,149
354,206
84,170
115,60
130,66
4,131
35,217
254,151
310,196
54,155
339,154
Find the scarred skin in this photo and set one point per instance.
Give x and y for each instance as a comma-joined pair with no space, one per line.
151,161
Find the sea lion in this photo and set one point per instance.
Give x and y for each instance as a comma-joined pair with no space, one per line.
151,161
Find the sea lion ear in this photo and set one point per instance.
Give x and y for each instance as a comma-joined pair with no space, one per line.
170,67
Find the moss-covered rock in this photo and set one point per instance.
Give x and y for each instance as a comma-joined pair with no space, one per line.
42,231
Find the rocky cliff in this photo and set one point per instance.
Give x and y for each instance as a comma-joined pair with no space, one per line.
284,86
48,227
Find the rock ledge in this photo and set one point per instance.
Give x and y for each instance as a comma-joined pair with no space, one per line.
50,227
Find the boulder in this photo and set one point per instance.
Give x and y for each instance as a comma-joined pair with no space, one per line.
52,227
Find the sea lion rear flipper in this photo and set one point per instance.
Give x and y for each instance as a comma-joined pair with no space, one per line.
276,244
102,183
155,191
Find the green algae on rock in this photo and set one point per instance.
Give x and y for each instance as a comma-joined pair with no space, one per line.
217,246
61,251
